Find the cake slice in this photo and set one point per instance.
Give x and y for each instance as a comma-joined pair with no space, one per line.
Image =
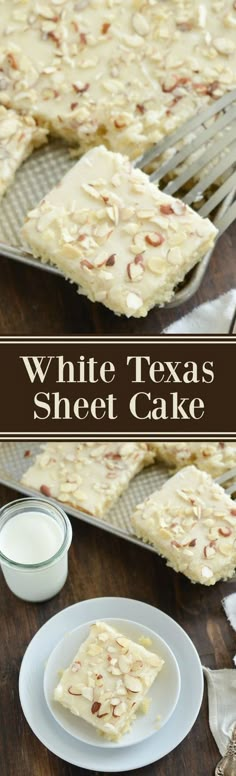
108,680
88,475
192,523
129,72
19,135
213,457
111,231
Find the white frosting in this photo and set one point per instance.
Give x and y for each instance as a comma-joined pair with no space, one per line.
110,230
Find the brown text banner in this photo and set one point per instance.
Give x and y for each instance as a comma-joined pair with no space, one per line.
85,388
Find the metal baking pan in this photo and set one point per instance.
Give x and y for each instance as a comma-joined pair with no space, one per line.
13,463
44,168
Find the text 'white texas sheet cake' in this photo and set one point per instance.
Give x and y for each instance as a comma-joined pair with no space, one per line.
112,232
108,680
192,523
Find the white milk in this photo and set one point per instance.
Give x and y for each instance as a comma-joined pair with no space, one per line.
35,536
30,537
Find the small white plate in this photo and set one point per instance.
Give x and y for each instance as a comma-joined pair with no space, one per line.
93,757
164,693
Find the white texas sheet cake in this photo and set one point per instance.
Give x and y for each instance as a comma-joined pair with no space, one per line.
114,233
87,475
192,523
108,680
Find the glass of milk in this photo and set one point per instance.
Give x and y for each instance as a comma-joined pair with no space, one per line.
35,536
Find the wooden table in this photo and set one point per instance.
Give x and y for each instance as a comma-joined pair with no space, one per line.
103,565
34,302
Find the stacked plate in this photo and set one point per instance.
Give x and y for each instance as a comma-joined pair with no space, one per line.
176,694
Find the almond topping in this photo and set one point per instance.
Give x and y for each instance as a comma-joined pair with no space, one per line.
87,693
225,531
135,270
86,263
105,28
138,259
132,683
124,664
73,690
45,490
95,707
209,551
119,709
122,642
170,83
206,572
154,239
119,124
140,24
76,666
104,709
166,210
80,88
137,666
111,260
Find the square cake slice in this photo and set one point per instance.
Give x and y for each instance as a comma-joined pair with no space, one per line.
108,680
89,475
19,135
213,457
111,231
192,523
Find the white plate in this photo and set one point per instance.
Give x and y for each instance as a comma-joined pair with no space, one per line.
94,758
164,693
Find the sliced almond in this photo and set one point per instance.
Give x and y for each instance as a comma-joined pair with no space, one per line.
87,693
95,707
135,271
132,683
206,572
103,636
225,531
119,709
122,642
75,666
133,301
137,666
209,551
73,690
154,239
140,24
99,680
124,664
225,548
166,210
104,709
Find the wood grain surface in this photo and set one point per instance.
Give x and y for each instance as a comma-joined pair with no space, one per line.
34,302
103,565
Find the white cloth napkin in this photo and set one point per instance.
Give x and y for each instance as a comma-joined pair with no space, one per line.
222,704
209,318
229,605
221,685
